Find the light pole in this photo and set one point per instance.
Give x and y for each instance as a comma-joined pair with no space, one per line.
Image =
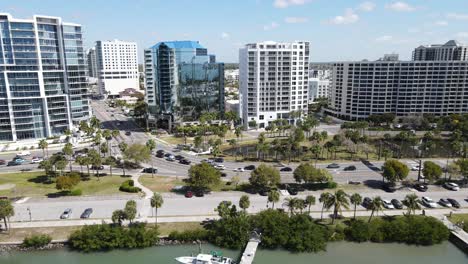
29,211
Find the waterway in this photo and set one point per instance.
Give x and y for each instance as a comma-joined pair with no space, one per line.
337,253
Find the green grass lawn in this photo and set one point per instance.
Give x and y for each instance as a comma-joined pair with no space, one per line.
36,184
457,218
166,183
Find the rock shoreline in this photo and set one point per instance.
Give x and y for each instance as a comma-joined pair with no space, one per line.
9,248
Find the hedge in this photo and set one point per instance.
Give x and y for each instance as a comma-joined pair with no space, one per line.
36,241
127,186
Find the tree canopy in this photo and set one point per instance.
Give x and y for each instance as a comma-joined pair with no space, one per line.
203,176
394,170
264,177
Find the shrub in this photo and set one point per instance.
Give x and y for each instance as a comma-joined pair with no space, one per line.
127,186
305,235
36,241
107,237
189,235
76,192
357,231
332,185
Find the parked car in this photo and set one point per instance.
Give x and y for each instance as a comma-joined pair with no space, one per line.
350,168
286,169
428,202
128,133
389,187
219,167
14,163
66,214
415,168
421,187
94,167
160,151
199,193
397,204
219,160
179,157
170,158
239,170
249,167
223,174
333,166
189,194
86,213
2,162
24,153
454,202
185,161
366,202
445,202
150,170
167,154
160,155
387,204
37,160
291,190
19,159
263,192
451,186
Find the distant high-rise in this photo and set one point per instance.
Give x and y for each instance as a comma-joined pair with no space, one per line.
182,82
117,66
273,81
43,87
92,63
435,84
450,51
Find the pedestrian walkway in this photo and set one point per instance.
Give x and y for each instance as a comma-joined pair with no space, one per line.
250,250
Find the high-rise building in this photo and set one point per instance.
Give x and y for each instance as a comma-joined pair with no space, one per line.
363,88
273,81
92,63
182,82
117,66
43,88
450,51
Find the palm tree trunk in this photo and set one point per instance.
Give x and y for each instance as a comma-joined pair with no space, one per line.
355,205
321,214
6,225
89,175
110,170
370,218
156,209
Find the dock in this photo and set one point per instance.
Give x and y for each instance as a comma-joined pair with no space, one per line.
249,251
458,236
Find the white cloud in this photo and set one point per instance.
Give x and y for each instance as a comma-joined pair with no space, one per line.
366,6
296,20
441,23
384,38
462,35
457,16
225,35
348,18
271,26
287,3
400,6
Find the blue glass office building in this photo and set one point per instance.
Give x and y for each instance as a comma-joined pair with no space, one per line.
43,88
183,81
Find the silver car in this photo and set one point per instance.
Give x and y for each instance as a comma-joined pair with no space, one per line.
66,214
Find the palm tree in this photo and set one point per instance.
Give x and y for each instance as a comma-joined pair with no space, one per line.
291,203
107,135
43,144
356,199
273,197
110,161
6,211
412,203
151,145
376,205
309,201
95,122
324,197
68,151
156,202
337,200
123,147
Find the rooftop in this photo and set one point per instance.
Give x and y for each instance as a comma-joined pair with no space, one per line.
180,44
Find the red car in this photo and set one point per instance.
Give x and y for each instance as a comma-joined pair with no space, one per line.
189,194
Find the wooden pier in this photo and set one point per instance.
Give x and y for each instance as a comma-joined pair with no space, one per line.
249,251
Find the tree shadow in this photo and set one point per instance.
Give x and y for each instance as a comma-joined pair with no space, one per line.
43,179
58,194
374,184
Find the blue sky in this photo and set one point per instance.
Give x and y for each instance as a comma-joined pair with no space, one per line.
337,29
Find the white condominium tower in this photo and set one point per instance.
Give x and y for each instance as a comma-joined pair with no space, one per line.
43,87
273,80
117,66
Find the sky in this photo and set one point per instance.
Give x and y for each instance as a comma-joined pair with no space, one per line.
337,29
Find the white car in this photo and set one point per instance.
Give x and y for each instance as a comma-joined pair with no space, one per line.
452,186
387,204
219,167
239,170
429,202
415,168
37,160
24,153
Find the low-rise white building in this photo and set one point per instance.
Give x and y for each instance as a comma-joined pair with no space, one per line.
318,88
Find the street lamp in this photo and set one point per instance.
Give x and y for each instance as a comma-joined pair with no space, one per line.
29,211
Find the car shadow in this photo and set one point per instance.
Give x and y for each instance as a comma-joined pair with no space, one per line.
370,165
58,194
43,179
374,184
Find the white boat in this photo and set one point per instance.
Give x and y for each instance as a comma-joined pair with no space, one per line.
212,258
